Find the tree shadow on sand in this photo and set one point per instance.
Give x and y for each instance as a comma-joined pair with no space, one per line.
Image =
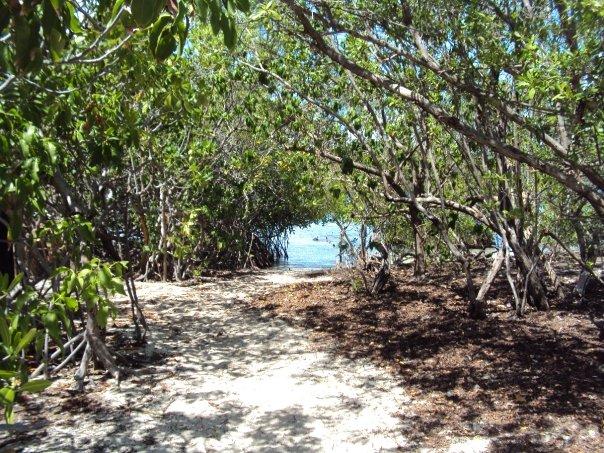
224,378
505,378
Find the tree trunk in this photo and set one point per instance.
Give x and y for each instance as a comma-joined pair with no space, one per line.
98,347
477,307
535,289
488,281
363,250
144,228
163,231
419,262
381,278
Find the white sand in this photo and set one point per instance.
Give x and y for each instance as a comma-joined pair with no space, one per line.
237,380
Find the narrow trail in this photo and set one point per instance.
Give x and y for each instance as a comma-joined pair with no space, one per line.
232,379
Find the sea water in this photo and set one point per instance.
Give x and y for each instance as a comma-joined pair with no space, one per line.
316,246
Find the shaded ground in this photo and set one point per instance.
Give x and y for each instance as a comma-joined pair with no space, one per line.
218,376
534,384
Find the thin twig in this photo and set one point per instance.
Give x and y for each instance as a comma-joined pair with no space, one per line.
55,354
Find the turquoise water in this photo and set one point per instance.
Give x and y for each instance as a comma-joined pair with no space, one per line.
316,246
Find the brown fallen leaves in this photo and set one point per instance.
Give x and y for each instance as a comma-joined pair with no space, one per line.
533,383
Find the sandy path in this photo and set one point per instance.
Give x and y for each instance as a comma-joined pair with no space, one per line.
233,380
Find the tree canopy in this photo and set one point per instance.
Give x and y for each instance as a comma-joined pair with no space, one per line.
155,139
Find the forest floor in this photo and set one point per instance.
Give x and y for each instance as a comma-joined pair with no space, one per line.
297,361
503,383
218,375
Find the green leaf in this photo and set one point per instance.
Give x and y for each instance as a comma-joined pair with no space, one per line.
39,345
71,303
4,332
4,147
166,44
70,283
347,165
215,17
146,11
230,33
15,321
6,374
57,44
182,9
74,23
26,38
8,413
35,386
243,5
50,19
116,8
15,282
7,396
202,10
27,338
117,285
105,277
51,322
155,32
102,316
453,220
183,32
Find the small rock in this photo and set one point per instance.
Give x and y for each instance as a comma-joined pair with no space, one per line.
100,447
149,440
476,426
197,445
566,439
592,432
149,350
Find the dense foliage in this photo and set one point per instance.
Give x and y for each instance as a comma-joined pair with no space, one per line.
118,164
155,139
485,126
